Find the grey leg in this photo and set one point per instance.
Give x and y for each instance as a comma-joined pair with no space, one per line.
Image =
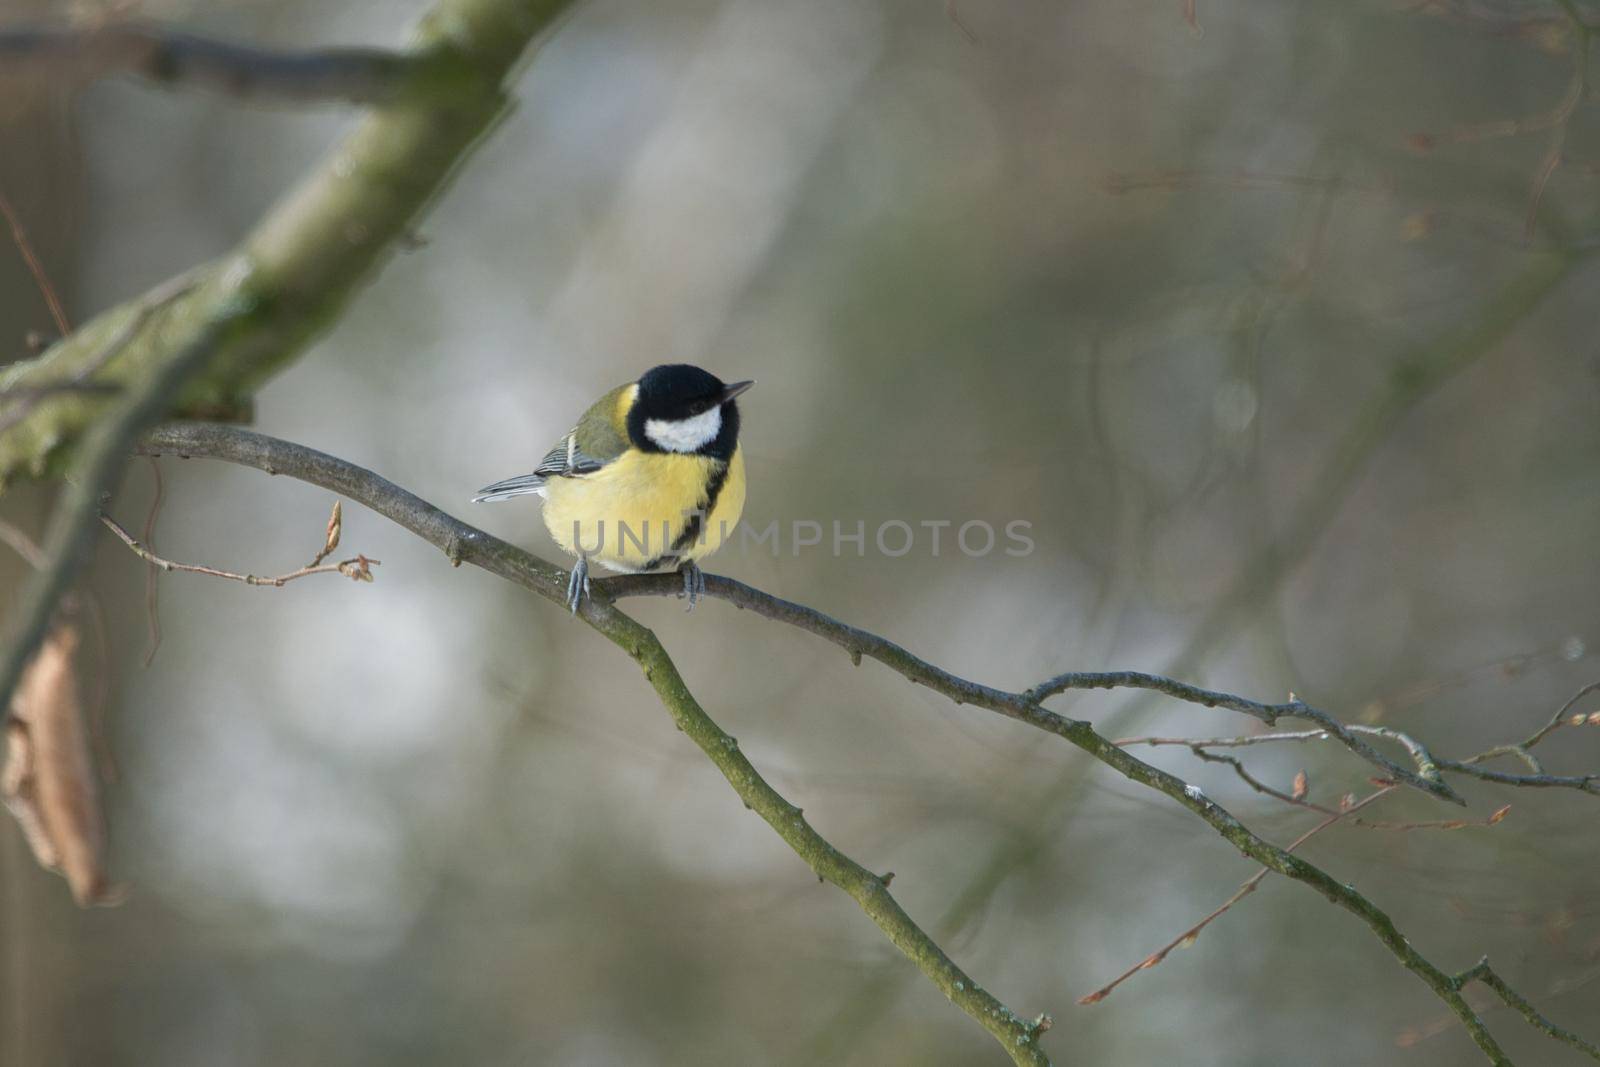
578,584
694,583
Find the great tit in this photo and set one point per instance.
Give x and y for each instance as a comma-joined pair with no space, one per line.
651,477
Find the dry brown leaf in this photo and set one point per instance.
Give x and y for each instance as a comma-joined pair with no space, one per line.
49,781
16,789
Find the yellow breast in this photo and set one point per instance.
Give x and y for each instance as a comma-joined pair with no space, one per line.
644,506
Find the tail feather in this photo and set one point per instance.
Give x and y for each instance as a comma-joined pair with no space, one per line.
521,485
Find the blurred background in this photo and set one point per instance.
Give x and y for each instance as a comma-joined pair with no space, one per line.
1276,323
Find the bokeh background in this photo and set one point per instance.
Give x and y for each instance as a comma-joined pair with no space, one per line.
1244,315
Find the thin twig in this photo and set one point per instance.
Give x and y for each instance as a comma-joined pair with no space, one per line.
1558,140
1259,786
1187,938
355,568
1537,779
1333,815
958,22
1425,777
1299,801
35,267
1558,720
1494,818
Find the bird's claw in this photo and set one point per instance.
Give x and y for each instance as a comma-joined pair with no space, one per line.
578,584
694,583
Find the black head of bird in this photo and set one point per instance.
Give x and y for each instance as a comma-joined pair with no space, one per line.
681,408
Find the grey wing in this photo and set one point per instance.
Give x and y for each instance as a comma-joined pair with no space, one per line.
562,461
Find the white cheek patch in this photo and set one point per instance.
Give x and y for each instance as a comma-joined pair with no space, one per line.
685,435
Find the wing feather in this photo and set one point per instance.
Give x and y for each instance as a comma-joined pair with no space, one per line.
598,439
565,460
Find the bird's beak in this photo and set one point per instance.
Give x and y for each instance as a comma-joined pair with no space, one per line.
731,391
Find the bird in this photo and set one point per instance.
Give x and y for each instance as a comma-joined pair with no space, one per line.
651,477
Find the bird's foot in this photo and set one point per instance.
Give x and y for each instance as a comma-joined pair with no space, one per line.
694,583
578,584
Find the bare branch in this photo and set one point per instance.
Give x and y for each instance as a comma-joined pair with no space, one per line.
1537,779
1558,720
1426,777
1295,799
462,543
1556,119
1585,783
1482,972
169,57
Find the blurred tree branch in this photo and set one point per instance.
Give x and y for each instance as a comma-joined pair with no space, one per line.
82,54
305,259
246,316
462,543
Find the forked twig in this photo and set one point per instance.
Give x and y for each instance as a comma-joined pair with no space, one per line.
356,568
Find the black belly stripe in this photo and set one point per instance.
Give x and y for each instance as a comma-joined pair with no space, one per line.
691,529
